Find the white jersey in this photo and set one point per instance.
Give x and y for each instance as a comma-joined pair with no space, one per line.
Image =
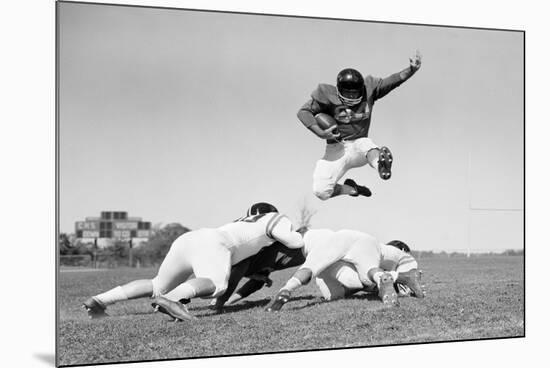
248,235
342,277
317,238
324,247
394,259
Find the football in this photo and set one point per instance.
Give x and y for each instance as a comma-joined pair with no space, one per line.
325,121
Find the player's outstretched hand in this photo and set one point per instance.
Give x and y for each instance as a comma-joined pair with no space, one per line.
416,61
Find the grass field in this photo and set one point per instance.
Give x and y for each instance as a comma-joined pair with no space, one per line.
467,298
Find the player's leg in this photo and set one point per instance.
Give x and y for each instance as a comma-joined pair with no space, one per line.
250,287
380,158
171,304
366,255
301,277
318,259
237,273
96,305
353,158
329,170
172,271
211,264
335,282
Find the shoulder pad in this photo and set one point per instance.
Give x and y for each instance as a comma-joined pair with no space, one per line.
370,84
326,94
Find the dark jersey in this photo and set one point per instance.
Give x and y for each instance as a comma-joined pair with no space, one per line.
258,267
274,258
353,122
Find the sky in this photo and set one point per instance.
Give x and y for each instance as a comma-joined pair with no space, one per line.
189,117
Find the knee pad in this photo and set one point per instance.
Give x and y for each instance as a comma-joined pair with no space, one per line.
303,275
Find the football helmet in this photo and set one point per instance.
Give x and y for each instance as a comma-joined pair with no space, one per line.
260,208
350,86
400,245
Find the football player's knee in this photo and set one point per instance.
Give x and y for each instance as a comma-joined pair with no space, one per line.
159,287
221,287
323,191
303,275
372,155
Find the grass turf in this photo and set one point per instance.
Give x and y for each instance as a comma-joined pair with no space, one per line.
467,298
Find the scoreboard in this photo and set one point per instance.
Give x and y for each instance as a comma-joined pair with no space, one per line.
113,225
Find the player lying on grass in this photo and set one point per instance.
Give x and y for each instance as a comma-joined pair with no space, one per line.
277,257
342,279
341,114
324,247
208,254
257,269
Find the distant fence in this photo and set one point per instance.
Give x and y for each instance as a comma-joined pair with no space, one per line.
466,253
76,260
101,260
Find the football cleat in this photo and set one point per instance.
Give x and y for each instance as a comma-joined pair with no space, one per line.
385,161
281,299
411,279
359,189
95,308
386,291
175,310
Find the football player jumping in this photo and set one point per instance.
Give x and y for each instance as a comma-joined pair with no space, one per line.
342,114
324,248
209,255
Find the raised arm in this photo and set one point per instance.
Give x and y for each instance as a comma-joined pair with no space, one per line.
383,86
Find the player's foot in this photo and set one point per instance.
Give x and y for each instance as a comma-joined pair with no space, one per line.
412,280
175,310
281,299
95,308
359,189
385,161
386,291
